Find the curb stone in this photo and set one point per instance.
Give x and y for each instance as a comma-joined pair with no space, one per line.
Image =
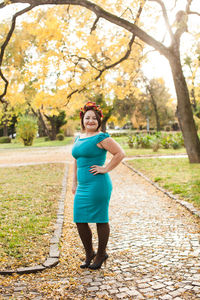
54,252
187,205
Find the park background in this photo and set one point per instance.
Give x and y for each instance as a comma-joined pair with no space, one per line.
57,58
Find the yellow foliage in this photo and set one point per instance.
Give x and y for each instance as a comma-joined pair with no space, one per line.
51,70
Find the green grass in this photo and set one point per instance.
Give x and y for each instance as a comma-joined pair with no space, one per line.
38,142
146,152
123,141
174,174
28,206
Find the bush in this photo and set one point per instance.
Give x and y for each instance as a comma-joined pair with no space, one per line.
145,141
155,141
60,136
27,129
166,141
167,128
156,145
176,145
133,141
179,137
130,142
119,134
5,139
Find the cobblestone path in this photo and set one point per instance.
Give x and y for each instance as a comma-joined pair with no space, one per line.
154,251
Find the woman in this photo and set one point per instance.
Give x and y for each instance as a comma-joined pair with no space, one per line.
92,185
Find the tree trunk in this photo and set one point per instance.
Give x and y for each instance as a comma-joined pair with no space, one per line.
155,109
53,128
5,129
43,124
103,125
105,120
184,111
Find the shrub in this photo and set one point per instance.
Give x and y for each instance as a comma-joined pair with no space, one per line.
60,136
145,141
27,129
166,141
176,145
118,134
167,128
156,140
5,139
156,145
179,137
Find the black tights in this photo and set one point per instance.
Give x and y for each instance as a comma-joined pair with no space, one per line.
103,231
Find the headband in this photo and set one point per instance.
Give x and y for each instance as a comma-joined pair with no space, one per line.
90,105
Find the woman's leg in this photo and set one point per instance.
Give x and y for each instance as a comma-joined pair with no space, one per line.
103,231
85,234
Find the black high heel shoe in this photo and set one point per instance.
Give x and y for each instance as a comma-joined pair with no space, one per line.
98,266
87,263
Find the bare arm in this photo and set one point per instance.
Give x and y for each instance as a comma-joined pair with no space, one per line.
118,154
74,182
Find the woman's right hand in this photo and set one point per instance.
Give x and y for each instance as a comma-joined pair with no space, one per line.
74,187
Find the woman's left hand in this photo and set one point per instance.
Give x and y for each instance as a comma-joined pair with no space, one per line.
97,170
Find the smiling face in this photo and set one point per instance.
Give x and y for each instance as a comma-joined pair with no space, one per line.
90,121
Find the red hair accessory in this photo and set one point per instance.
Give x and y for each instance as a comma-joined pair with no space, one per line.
90,105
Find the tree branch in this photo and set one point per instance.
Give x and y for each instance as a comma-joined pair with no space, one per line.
188,11
2,5
101,13
83,58
119,61
4,45
128,8
181,24
165,16
94,25
102,71
111,65
193,13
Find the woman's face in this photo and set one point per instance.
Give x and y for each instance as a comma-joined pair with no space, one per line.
90,121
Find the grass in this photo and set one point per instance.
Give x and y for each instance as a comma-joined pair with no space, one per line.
174,174
28,207
147,152
38,142
123,141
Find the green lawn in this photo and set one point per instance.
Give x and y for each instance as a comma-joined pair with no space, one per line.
150,152
174,174
28,208
38,142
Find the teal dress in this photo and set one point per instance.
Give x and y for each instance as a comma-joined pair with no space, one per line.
93,192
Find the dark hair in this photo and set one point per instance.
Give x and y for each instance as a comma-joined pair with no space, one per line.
97,114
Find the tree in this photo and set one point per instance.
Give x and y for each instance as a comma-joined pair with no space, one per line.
124,108
172,54
85,68
193,78
56,123
159,99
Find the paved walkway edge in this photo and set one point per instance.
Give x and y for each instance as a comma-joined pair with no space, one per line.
187,205
54,253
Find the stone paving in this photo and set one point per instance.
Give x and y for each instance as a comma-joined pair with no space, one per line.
154,246
154,250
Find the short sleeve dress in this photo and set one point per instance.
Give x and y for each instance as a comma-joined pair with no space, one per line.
91,201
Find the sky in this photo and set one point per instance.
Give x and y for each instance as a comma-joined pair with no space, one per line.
157,65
